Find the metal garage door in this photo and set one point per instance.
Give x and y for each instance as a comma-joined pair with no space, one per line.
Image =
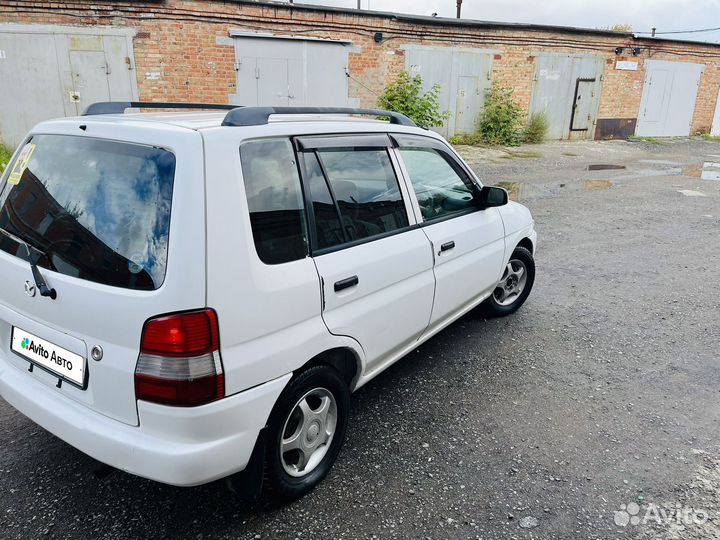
567,90
288,71
668,100
52,71
463,76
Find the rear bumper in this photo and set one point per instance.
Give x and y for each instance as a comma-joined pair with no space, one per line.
173,445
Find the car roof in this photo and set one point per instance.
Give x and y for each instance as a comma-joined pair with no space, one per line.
128,126
207,120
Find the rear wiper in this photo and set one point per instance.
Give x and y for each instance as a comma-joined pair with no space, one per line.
40,283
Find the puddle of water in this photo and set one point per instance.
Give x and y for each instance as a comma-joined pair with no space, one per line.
520,191
691,193
513,189
590,185
605,167
659,162
708,170
649,173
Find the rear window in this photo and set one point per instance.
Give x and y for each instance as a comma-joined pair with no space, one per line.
94,209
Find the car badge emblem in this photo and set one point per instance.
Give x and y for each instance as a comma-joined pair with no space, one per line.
30,288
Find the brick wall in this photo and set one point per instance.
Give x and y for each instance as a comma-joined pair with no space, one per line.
179,40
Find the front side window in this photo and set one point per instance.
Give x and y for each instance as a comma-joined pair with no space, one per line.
361,194
275,200
441,188
94,209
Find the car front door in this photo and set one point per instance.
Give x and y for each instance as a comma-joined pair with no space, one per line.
468,242
375,265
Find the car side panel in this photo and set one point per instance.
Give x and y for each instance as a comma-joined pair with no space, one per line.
269,315
519,224
391,304
470,271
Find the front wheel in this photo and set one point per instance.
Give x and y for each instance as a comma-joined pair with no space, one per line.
514,286
305,432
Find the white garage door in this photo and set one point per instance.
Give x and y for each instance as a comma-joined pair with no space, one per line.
291,72
668,100
464,78
54,71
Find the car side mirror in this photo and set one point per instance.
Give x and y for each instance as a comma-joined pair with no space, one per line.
491,196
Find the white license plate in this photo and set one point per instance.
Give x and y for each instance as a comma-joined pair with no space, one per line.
66,365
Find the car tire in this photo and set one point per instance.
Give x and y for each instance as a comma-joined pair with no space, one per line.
306,430
514,287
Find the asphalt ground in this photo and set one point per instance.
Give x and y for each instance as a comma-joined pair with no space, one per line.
598,398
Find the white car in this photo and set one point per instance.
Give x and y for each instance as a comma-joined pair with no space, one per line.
186,296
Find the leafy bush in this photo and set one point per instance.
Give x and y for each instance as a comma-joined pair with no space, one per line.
500,120
5,156
537,129
470,139
405,95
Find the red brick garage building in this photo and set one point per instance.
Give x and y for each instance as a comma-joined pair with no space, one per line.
57,57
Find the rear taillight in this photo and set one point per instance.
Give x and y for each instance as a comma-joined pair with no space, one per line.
179,361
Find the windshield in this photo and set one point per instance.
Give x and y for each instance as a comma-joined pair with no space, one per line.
94,209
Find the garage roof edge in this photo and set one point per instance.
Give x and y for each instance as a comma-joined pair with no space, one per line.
472,23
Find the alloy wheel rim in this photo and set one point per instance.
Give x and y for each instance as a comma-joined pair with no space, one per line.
308,432
512,283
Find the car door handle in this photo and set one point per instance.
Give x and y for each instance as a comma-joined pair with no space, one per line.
447,246
346,283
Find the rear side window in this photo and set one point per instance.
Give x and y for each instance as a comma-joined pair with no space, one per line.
329,232
355,194
275,200
94,209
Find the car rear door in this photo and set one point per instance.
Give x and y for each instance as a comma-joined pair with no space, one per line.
375,266
468,242
110,215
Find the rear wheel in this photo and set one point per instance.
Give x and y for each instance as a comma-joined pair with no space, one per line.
514,286
305,432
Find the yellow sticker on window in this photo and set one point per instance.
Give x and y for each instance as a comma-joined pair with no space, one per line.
22,162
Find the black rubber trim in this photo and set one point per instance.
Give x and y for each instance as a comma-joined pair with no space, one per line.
248,483
359,140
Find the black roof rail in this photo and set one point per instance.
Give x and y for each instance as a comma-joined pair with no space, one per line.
257,116
118,107
242,116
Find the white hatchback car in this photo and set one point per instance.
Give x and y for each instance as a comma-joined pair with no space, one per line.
186,296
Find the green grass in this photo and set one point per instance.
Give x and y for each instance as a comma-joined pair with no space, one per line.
524,154
5,156
649,140
712,138
469,139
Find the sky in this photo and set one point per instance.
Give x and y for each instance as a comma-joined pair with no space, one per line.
642,15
